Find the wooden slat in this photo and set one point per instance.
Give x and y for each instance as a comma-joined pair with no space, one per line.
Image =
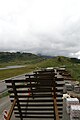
38,100
36,91
28,86
39,109
32,80
40,74
36,96
47,117
41,105
45,70
36,113
36,109
36,116
33,101
37,105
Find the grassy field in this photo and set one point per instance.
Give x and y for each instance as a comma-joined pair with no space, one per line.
17,71
4,94
73,68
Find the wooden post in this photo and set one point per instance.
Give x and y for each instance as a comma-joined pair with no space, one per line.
11,110
56,109
31,88
56,114
16,97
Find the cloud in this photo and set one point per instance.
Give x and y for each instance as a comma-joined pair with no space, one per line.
77,54
50,27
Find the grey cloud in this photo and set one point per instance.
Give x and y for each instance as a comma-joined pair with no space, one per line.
40,27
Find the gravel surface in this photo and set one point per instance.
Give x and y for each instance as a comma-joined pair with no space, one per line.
5,104
65,115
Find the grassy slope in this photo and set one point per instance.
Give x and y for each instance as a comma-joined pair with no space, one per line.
17,71
10,59
7,58
73,68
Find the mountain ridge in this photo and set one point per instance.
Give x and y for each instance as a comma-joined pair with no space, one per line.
23,56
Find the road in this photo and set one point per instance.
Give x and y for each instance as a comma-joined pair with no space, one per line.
12,67
3,85
4,105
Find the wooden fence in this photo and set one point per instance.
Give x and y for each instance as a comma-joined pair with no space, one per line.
39,95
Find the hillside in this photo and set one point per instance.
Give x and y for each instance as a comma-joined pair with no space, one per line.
73,66
56,61
18,58
32,61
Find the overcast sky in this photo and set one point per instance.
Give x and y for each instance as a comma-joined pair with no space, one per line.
50,27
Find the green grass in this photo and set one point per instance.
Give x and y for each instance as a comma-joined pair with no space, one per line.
20,62
17,71
73,68
4,94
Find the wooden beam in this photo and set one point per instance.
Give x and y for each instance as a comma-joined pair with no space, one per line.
56,114
11,110
56,109
17,99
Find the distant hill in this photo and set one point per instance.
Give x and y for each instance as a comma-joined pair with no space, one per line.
59,61
75,60
45,56
18,56
55,62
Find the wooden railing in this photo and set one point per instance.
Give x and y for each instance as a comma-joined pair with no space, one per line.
44,100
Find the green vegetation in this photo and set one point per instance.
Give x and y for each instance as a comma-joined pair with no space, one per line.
72,67
4,94
33,62
17,71
7,58
10,59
